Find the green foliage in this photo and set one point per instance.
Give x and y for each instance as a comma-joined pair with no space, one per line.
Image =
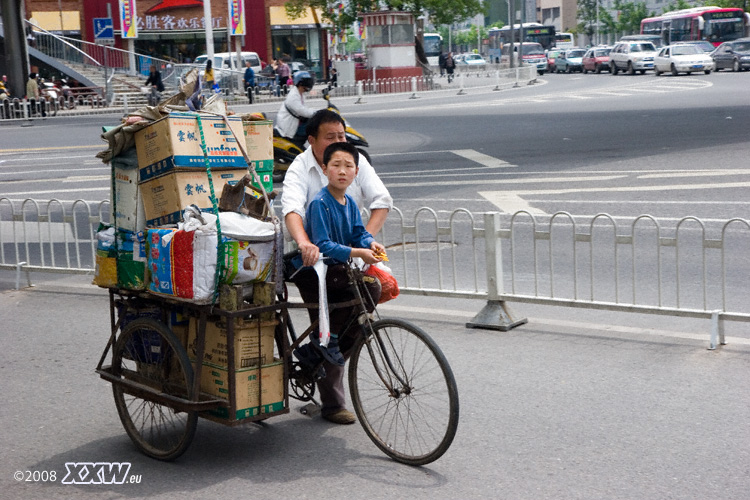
630,16
677,5
726,4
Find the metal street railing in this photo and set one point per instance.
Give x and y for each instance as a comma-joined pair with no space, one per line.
689,267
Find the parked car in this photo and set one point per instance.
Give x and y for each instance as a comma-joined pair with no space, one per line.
734,55
222,62
704,45
596,59
632,57
552,56
570,60
682,58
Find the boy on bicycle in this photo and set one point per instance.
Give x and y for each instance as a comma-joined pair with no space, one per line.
334,225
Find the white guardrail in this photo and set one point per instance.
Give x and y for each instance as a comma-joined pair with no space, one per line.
489,79
686,268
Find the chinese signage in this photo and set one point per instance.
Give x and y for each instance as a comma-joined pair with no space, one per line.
237,17
166,22
128,22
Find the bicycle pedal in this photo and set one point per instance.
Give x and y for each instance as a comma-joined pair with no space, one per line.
310,410
366,317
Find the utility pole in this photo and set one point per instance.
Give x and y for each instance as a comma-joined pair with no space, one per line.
511,16
16,53
209,30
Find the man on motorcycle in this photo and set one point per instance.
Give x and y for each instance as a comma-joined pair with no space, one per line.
303,181
293,114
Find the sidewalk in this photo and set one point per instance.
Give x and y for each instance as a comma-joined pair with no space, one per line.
568,406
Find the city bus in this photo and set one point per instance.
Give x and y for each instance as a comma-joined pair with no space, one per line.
714,24
532,32
433,44
564,40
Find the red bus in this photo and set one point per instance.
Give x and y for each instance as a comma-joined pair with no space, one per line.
714,24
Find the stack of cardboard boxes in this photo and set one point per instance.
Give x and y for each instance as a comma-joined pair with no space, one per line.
152,185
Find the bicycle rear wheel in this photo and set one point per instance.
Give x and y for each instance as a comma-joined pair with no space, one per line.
404,392
147,352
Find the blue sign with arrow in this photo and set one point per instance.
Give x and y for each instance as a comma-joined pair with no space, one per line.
103,28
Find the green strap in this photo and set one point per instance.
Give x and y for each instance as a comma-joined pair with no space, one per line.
219,245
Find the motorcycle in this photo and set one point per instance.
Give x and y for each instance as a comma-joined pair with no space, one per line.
285,150
49,92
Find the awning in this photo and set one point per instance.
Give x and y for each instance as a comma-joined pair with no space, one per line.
309,19
50,20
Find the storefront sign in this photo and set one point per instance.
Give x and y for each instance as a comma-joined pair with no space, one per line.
170,23
237,17
128,23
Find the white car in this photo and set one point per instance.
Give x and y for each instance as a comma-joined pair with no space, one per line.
682,59
472,60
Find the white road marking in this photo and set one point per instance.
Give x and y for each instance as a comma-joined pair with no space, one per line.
504,181
481,158
625,189
510,202
687,173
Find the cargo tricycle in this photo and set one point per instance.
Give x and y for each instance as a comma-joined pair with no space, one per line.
164,378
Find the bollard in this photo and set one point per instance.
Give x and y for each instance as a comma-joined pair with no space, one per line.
461,84
515,84
360,93
414,88
497,80
26,114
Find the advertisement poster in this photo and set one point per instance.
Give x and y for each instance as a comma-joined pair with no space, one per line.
128,23
237,16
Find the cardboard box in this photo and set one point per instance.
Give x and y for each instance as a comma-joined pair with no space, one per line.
165,197
127,204
259,139
253,396
174,142
249,349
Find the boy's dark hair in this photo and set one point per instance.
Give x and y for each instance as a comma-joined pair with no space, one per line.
340,146
319,118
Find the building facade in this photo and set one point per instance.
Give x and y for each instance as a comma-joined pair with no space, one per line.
175,29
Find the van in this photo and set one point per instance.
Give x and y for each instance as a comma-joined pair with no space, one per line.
533,55
225,60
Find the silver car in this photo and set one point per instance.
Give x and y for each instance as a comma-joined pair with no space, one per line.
682,59
632,57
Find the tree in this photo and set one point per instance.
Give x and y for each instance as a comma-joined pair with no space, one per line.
587,15
630,15
677,5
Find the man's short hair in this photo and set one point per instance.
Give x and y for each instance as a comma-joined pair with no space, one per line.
340,146
319,118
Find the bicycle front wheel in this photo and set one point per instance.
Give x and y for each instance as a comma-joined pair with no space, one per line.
404,392
148,353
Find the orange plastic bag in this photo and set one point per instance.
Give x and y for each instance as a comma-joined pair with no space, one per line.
387,282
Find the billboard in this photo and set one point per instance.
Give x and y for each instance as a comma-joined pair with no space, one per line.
128,23
236,17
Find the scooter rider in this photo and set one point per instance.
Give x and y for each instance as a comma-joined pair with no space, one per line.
293,114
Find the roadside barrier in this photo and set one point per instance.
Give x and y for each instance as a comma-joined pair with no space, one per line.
684,268
91,100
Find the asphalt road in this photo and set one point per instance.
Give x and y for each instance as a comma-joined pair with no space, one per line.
576,404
